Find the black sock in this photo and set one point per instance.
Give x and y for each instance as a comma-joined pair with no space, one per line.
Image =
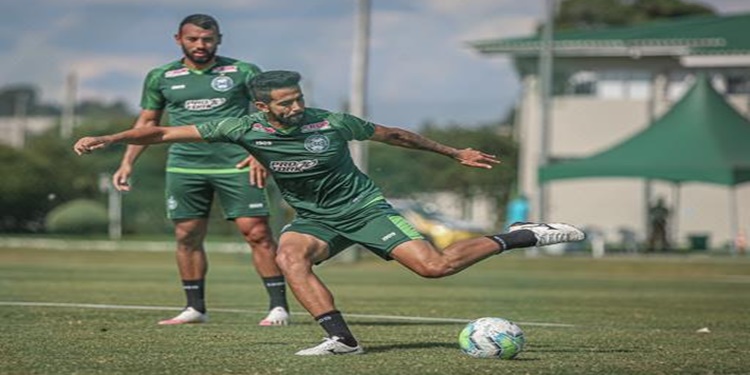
514,240
276,288
195,293
333,323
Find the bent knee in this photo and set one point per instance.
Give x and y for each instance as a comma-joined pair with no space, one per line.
257,233
290,260
434,270
260,235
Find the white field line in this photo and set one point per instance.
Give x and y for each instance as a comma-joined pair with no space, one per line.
166,308
112,245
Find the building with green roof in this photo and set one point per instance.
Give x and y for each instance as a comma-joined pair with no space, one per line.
610,84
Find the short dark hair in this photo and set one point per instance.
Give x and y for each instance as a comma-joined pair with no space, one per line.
262,84
203,21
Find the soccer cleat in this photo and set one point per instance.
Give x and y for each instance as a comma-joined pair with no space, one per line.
187,316
278,316
552,233
331,346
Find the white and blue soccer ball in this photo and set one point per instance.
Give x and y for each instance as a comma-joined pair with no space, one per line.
492,338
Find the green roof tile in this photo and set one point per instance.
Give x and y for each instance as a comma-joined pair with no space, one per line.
727,34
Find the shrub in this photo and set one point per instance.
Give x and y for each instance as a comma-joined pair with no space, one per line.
80,216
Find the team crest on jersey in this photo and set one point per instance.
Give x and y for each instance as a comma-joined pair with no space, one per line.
323,125
317,143
222,83
258,127
292,166
177,73
224,69
171,203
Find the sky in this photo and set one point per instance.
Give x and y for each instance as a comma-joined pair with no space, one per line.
420,67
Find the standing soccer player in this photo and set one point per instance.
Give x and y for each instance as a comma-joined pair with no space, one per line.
306,152
201,87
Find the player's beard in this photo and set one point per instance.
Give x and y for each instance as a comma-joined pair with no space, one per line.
208,56
295,120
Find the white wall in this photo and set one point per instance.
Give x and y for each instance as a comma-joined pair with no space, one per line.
584,125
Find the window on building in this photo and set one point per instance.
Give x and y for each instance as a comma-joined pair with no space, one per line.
610,84
581,83
737,84
624,84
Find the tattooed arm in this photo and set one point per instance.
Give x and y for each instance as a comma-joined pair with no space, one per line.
404,138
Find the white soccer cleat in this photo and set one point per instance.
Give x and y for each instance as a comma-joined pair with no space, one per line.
187,316
552,233
331,346
278,316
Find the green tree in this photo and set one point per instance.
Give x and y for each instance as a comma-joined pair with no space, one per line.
402,173
143,207
23,99
24,199
592,14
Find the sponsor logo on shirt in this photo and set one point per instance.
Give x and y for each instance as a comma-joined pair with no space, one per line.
177,87
177,73
358,198
263,143
257,127
388,236
293,166
203,104
224,69
323,125
222,83
317,143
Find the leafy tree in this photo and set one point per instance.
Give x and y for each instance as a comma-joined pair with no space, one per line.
402,173
592,14
38,178
23,99
23,196
143,207
97,109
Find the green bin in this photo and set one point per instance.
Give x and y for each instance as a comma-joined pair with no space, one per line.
698,241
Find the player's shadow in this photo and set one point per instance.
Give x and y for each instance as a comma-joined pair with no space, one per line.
577,349
413,345
400,323
424,345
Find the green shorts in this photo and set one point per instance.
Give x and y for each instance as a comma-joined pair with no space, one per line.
380,229
190,196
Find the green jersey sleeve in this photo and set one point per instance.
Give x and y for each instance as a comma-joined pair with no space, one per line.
355,128
222,130
151,97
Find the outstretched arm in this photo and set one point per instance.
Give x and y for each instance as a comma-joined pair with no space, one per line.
407,139
141,136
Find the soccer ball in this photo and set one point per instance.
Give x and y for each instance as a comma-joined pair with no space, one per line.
491,338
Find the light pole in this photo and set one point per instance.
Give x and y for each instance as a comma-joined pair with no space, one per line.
545,102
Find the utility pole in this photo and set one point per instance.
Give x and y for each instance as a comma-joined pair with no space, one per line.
69,106
114,206
545,102
358,96
21,114
358,93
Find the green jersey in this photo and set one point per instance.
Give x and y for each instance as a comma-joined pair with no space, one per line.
194,96
310,163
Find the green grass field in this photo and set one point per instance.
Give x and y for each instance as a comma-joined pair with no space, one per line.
636,315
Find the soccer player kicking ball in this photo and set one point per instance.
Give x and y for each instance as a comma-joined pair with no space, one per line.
306,152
